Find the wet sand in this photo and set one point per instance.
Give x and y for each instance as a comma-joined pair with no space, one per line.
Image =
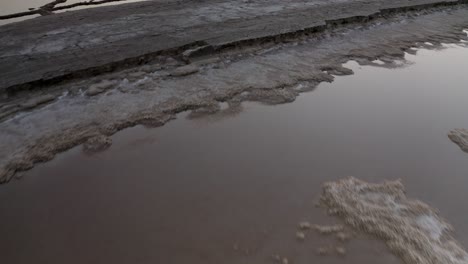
232,187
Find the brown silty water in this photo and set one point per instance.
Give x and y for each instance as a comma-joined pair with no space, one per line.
231,187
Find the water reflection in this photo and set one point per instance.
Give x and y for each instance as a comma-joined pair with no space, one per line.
189,191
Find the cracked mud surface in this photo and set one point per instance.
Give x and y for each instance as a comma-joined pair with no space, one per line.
411,229
104,39
151,94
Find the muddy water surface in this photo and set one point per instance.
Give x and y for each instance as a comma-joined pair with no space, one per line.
231,187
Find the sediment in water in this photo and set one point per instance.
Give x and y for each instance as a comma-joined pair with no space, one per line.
411,229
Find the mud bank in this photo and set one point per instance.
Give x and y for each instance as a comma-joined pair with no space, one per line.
86,43
410,228
153,93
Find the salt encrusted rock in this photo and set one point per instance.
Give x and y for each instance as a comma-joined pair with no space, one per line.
328,229
97,144
99,87
343,236
300,236
304,225
411,229
38,101
459,136
184,71
340,251
323,251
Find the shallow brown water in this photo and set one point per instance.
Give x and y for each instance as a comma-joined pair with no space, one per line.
194,190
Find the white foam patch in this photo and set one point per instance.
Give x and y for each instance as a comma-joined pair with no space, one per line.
379,62
431,225
142,81
449,45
